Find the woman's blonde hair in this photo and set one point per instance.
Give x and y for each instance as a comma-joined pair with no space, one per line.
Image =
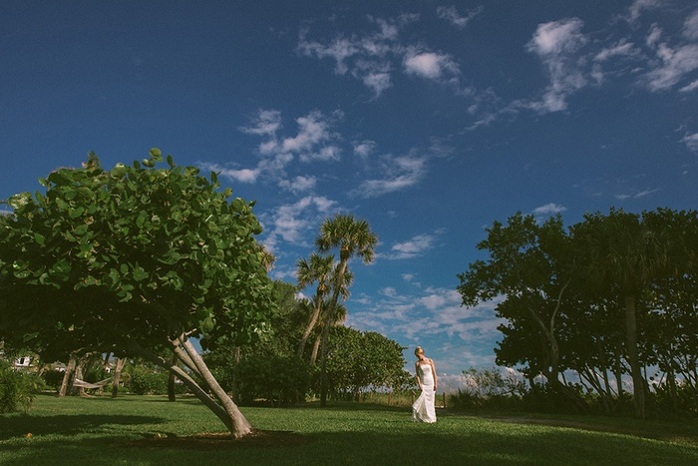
418,350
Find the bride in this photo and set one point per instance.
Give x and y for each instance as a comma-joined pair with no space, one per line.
423,409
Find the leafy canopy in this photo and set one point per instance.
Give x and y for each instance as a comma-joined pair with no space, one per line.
136,253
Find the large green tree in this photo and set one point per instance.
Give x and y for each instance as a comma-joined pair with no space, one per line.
528,271
135,260
628,253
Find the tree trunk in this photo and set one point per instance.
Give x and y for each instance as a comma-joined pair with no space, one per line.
116,379
67,376
215,398
309,329
316,349
80,391
171,396
633,358
618,372
236,383
323,365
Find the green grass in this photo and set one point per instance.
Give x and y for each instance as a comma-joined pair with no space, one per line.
99,430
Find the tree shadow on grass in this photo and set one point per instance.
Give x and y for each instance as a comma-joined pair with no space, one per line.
222,440
65,424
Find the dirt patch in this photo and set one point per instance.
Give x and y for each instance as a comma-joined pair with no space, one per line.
223,440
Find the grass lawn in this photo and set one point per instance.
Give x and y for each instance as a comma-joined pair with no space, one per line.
139,430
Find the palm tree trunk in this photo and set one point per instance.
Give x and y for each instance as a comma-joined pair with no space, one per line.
311,325
316,349
323,365
633,358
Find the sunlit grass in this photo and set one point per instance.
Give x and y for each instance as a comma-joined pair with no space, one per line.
101,430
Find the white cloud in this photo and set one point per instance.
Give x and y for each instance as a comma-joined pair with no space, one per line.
295,223
556,44
371,57
450,14
690,87
549,209
691,141
690,26
674,65
377,81
639,6
266,123
314,141
299,184
557,38
400,173
430,65
339,49
435,313
636,195
313,132
367,56
621,48
654,36
414,247
364,148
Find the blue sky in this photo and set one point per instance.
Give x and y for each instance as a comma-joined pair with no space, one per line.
429,119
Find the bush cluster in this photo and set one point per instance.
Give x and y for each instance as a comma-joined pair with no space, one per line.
17,388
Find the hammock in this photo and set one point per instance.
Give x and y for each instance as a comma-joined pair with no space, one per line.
82,383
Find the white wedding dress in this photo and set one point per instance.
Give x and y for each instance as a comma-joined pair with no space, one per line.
423,409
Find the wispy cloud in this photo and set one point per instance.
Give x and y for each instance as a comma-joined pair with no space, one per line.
314,141
398,173
432,313
373,57
691,141
451,14
364,148
295,223
638,7
556,44
673,65
636,195
549,209
414,247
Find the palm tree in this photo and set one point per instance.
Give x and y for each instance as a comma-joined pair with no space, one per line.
353,238
340,315
318,269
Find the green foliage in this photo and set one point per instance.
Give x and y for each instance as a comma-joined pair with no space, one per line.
136,253
358,362
276,379
147,380
606,298
17,388
53,378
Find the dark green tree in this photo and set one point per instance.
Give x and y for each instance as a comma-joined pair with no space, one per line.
628,253
529,270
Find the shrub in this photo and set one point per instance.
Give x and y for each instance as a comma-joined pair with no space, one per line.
279,380
148,381
53,378
16,388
